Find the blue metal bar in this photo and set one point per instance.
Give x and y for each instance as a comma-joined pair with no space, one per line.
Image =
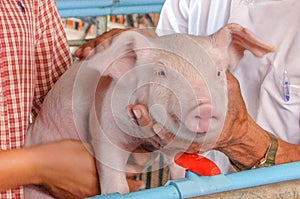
194,185
87,12
117,10
71,4
93,8
80,4
167,192
139,2
141,9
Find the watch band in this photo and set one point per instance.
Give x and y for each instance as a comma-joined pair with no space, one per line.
266,161
269,159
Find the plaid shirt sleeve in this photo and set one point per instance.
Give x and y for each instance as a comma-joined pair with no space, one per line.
33,54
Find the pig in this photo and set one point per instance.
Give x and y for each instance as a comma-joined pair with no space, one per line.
180,78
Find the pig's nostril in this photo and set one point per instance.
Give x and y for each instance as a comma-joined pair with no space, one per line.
199,119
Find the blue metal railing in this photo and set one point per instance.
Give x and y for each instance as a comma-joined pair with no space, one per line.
93,8
194,185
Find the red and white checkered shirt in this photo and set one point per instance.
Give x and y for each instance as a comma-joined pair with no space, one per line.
33,54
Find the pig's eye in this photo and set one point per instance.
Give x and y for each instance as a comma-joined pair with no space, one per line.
161,73
160,70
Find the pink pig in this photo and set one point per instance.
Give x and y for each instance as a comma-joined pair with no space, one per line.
180,78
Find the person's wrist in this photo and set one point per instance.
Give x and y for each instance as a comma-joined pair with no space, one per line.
269,157
247,146
38,159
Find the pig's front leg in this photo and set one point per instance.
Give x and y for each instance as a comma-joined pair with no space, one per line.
111,165
176,171
108,145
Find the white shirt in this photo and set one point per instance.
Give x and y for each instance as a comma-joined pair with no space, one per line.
261,79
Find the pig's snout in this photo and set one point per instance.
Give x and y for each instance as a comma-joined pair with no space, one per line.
202,119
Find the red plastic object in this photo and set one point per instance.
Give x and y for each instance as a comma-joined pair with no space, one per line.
197,164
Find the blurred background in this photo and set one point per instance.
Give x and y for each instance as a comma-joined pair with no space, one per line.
84,20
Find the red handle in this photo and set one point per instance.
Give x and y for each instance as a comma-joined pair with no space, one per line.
197,164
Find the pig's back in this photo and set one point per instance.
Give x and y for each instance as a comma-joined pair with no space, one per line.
54,121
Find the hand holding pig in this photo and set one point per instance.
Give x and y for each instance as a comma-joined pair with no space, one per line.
243,140
103,41
55,170
89,48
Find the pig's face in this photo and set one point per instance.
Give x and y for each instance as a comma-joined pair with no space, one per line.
178,96
182,88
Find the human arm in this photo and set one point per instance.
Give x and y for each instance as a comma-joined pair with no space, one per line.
243,140
66,168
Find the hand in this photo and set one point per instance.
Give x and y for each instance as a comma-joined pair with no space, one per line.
104,41
240,134
67,169
236,122
242,139
89,48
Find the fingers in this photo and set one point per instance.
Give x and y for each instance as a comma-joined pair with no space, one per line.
236,117
233,85
59,175
98,44
235,98
139,114
86,49
165,136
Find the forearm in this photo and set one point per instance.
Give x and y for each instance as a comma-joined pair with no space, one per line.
252,146
248,148
65,168
287,152
17,168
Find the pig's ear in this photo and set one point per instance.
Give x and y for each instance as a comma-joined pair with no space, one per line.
235,39
120,55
